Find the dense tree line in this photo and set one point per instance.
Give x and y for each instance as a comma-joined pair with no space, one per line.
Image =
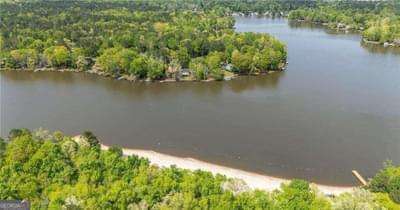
115,38
55,171
273,7
379,24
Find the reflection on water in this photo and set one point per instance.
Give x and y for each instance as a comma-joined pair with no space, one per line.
244,83
375,48
335,109
139,89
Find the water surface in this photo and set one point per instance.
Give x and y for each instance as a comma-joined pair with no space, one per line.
336,108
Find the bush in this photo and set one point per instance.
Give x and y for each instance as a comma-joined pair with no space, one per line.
358,199
155,69
91,138
199,68
138,67
23,58
298,195
394,189
243,62
58,56
16,132
116,60
384,200
387,181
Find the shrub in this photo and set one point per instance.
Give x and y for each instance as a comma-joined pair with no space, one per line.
387,181
358,199
22,58
58,56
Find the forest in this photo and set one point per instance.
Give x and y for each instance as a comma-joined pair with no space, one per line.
174,40
55,171
119,39
380,24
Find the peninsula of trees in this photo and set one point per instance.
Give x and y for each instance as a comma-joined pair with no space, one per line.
54,171
121,40
172,40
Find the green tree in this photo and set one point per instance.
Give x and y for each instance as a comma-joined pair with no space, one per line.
20,149
262,60
199,68
50,165
214,61
107,61
242,62
298,195
15,132
58,56
387,181
1,43
155,69
23,58
91,138
359,199
394,189
116,60
139,67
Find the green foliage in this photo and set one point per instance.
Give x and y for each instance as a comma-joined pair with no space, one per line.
1,42
116,60
15,132
359,199
20,150
58,56
214,62
82,63
22,58
299,195
242,61
91,138
3,145
124,40
394,189
384,200
53,171
50,165
387,181
383,29
69,147
155,69
138,67
379,24
199,68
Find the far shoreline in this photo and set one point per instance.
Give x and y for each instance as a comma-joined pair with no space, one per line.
252,179
346,29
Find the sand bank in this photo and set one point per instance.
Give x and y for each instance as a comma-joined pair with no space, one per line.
253,180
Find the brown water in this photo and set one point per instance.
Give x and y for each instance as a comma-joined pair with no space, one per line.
336,108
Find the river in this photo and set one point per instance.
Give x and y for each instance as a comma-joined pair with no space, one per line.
335,108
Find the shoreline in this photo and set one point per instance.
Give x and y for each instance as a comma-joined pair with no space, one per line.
131,78
253,180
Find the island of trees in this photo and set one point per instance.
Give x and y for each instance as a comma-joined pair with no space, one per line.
54,171
120,40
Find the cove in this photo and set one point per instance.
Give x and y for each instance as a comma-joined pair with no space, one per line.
335,108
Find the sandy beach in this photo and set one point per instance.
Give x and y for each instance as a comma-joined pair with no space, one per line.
253,180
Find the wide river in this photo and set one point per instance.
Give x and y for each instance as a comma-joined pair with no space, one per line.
336,108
